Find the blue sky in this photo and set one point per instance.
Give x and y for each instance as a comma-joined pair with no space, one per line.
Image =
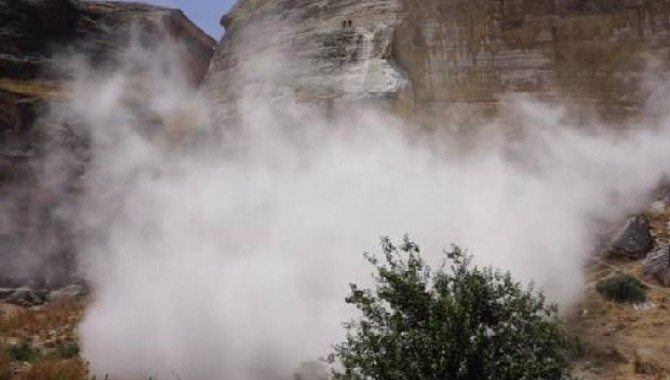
205,13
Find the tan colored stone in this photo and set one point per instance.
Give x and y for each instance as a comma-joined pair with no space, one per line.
449,55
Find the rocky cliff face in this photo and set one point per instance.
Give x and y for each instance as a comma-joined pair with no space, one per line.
36,36
434,57
316,50
36,194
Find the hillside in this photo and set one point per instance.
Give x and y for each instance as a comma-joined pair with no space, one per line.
623,341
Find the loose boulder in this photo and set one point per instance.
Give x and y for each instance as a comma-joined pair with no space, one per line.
27,297
657,265
6,293
633,240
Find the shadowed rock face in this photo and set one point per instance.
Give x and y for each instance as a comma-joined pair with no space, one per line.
31,32
35,36
432,57
36,240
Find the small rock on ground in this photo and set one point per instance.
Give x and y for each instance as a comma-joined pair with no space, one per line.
27,297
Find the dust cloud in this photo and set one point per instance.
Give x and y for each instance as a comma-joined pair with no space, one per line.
230,257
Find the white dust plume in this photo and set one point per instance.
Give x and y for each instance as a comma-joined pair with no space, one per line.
231,259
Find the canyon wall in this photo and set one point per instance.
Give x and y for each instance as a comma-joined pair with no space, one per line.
43,159
430,58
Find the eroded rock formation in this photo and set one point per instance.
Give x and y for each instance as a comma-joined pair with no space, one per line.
434,57
633,241
37,191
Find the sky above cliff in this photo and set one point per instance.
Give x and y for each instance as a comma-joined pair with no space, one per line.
205,13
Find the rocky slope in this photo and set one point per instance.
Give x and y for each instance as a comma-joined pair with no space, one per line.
35,38
618,341
435,57
622,341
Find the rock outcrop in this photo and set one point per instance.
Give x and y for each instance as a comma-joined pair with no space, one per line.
317,51
36,37
442,57
27,297
657,265
633,240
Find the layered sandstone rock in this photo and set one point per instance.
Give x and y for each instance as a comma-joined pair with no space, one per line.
431,57
37,189
315,50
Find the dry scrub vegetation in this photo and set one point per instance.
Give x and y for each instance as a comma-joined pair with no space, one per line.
622,341
43,341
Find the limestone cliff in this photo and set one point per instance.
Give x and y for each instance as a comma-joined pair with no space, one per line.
431,57
315,50
35,37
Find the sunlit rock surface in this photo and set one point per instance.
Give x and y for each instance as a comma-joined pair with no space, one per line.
317,51
434,57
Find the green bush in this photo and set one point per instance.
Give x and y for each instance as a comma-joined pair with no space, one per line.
68,351
623,288
22,352
460,322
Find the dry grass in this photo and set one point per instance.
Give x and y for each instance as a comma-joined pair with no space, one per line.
622,341
5,365
612,335
56,323
53,369
46,329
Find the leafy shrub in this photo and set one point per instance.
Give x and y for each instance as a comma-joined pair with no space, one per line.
68,351
22,352
460,322
623,288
